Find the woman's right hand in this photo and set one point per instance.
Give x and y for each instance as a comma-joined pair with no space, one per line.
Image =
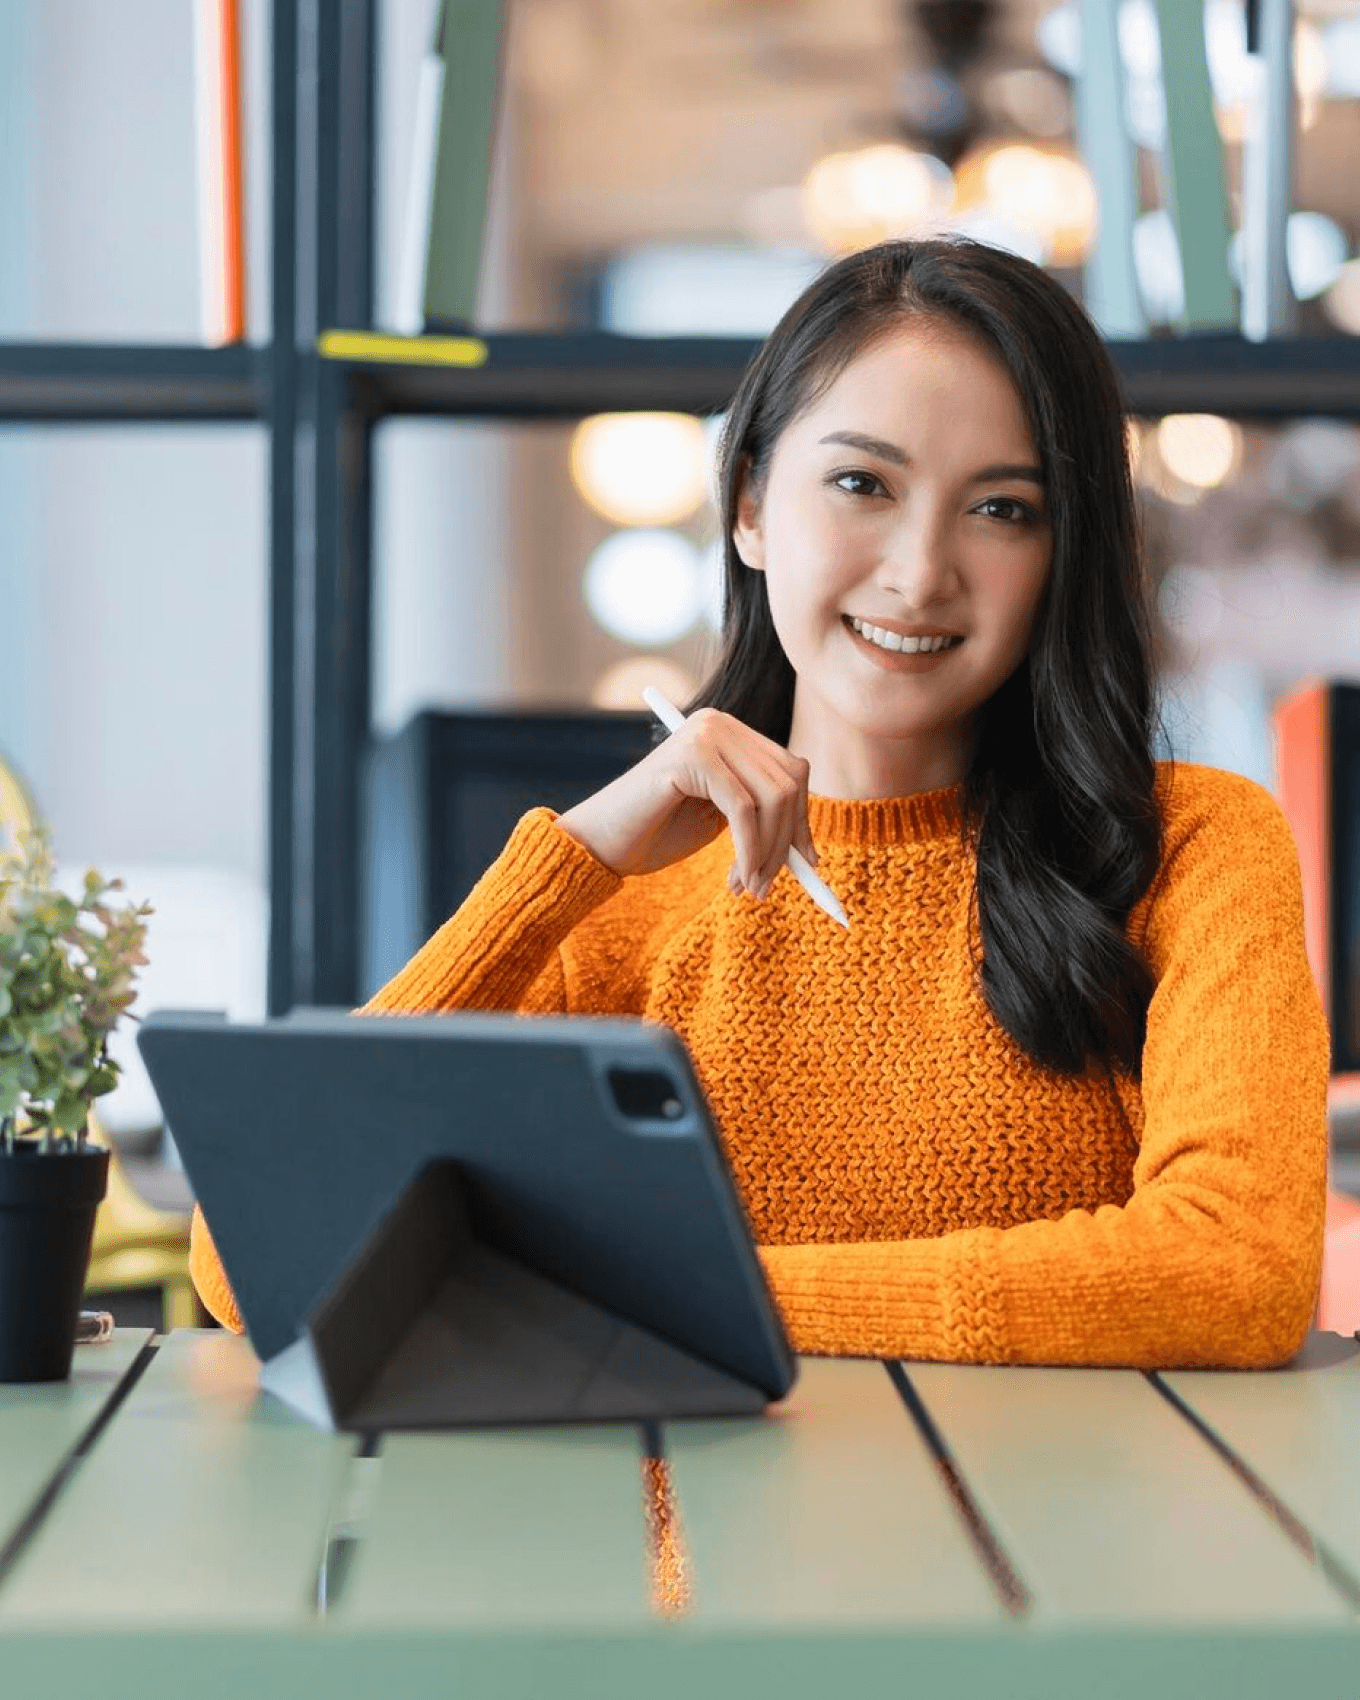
713,771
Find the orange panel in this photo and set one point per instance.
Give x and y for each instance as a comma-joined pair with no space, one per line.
1304,760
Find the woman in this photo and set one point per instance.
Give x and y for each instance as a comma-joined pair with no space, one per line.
1057,1095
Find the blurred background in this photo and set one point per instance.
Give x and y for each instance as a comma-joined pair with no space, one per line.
662,168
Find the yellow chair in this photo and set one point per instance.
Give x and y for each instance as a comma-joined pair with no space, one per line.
135,1244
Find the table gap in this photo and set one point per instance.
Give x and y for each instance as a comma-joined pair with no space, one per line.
345,1526
1292,1527
47,1496
1015,1597
669,1569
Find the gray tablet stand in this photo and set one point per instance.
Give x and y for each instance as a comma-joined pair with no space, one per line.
430,1327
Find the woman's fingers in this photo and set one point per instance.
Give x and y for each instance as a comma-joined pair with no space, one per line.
670,804
735,796
803,835
762,792
780,812
781,789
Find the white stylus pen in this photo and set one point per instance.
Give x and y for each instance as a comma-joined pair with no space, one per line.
799,866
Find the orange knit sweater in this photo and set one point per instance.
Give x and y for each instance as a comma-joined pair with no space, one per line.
919,1187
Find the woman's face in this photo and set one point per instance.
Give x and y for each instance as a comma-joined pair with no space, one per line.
906,546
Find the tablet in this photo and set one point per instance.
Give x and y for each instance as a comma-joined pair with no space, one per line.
529,1218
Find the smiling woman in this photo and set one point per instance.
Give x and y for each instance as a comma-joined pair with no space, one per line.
991,503
1057,1092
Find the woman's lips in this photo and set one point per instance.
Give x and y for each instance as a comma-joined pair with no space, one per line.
882,646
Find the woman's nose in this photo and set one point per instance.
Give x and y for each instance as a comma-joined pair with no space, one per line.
918,563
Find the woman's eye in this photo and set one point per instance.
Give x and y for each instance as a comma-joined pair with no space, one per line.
858,483
1007,508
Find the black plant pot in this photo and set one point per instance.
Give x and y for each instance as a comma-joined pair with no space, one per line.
47,1206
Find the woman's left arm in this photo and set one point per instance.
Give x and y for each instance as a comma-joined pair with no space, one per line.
1215,1258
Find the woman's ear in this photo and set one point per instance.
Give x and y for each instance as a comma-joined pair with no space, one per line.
748,534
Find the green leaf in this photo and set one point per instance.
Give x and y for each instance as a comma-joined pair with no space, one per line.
70,1112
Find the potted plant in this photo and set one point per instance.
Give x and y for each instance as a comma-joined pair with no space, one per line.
67,971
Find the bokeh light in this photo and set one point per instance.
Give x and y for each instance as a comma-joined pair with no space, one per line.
621,686
1045,190
1341,40
1311,70
1341,303
1157,262
1035,100
1315,248
852,200
645,586
641,468
1058,36
1200,449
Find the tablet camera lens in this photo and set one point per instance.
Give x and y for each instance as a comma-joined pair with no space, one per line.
645,1094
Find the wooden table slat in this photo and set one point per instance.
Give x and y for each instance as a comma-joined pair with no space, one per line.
517,1528
831,1510
1111,1505
40,1423
1298,1429
205,1501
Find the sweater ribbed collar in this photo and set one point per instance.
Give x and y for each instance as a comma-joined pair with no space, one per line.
870,821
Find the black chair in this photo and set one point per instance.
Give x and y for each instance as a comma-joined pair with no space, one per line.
440,799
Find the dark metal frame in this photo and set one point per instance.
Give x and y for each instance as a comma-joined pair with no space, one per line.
320,415
320,506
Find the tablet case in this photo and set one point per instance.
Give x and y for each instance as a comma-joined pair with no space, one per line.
512,1219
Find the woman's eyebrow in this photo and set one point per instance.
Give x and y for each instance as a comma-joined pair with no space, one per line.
871,446
885,450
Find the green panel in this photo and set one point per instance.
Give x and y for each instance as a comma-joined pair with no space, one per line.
1299,1429
519,1527
40,1424
829,1510
204,1501
1198,194
1110,1503
471,45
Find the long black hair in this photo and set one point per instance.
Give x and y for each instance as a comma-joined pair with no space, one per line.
1059,797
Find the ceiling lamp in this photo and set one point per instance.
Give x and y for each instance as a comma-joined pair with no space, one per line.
645,586
621,686
852,200
1199,448
1045,190
641,468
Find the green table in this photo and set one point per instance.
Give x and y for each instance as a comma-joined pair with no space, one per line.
169,1530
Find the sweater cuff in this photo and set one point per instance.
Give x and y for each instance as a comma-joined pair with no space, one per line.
873,1299
540,886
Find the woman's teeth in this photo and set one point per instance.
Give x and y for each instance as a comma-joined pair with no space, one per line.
895,641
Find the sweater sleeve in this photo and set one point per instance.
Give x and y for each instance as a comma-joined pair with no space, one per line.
1215,1258
501,950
